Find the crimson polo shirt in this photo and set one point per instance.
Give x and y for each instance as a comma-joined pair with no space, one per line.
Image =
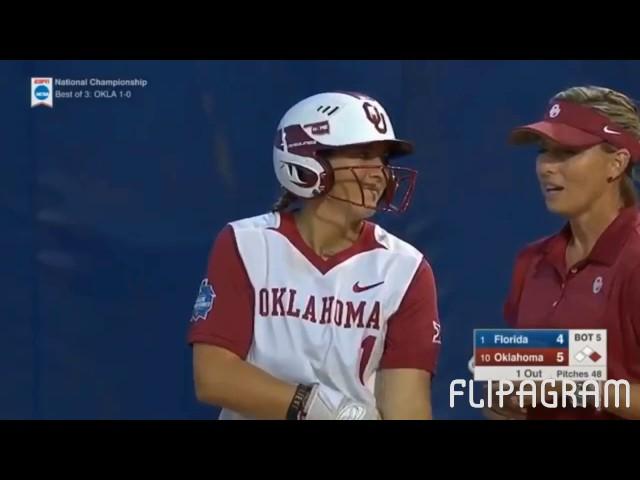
601,291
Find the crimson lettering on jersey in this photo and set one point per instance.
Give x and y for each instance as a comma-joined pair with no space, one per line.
264,302
278,307
337,319
332,310
327,302
374,318
354,315
310,311
290,312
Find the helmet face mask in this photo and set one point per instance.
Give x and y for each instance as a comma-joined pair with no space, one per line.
400,176
331,122
398,180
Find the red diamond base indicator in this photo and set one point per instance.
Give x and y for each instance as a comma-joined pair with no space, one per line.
595,356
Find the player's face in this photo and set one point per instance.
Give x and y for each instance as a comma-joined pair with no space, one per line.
571,181
360,179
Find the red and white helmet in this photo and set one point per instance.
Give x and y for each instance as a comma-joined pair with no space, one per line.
328,121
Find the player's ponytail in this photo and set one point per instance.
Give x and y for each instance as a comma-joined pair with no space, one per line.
285,201
623,111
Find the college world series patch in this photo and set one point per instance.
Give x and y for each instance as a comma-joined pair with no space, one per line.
204,301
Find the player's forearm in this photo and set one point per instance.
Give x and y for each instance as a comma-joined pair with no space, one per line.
225,380
630,413
403,394
420,411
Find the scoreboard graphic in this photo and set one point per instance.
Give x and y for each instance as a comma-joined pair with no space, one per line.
540,354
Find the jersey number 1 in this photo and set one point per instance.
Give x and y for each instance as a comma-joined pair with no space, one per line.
367,348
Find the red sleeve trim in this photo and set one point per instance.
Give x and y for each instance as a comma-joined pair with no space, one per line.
228,323
413,335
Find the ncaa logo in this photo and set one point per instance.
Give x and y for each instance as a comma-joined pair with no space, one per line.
555,111
41,91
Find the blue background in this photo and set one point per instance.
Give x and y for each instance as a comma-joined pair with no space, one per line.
108,208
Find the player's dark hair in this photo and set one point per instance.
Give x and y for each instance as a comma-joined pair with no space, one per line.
285,201
620,109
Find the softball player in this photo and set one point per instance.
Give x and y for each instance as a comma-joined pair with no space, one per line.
311,311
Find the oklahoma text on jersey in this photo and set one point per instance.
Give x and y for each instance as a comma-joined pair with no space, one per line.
330,309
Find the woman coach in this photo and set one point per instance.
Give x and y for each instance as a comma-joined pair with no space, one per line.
588,274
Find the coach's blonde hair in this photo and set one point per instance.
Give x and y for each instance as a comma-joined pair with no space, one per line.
623,111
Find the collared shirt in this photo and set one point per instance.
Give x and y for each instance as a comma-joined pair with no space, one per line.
600,292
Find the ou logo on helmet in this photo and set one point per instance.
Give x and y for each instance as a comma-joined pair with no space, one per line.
555,111
375,117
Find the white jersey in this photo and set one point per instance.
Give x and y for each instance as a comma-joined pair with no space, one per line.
269,298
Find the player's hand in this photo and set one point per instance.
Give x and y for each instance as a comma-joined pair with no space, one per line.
510,409
590,401
326,404
547,393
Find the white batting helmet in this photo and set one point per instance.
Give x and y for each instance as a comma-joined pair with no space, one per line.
328,121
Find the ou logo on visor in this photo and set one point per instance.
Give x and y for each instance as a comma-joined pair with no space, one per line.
555,111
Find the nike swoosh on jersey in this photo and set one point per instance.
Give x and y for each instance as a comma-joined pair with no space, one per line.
357,288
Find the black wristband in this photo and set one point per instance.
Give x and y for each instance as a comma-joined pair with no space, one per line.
296,407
